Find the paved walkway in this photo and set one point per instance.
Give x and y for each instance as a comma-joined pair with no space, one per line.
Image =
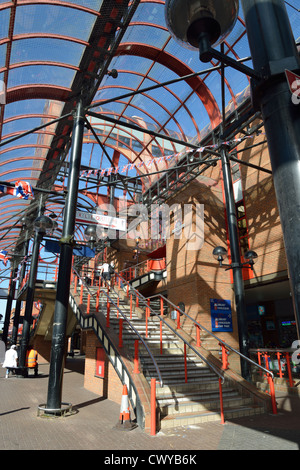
93,425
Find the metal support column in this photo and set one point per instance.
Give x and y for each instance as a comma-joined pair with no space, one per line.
10,298
273,50
236,263
14,334
58,347
38,236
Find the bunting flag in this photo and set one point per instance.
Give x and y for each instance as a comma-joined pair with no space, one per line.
157,160
22,190
3,257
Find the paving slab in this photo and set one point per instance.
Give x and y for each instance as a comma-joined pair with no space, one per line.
92,425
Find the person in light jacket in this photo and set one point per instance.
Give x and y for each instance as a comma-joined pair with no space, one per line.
10,360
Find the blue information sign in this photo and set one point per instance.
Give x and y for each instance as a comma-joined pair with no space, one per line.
221,316
53,246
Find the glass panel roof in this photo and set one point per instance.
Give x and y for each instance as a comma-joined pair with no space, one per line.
43,66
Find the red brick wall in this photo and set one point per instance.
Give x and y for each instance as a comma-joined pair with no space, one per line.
110,387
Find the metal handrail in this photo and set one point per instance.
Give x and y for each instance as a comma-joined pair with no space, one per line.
131,326
144,301
211,334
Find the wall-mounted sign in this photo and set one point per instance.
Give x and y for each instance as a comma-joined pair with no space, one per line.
52,246
103,220
221,316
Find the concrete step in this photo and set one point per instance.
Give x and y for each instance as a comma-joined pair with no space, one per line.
189,418
211,404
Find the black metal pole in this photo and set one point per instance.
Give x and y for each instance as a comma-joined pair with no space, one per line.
58,346
38,236
10,298
14,335
273,50
236,263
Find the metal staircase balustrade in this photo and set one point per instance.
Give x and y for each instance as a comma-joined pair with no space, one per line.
221,342
216,373
146,301
90,321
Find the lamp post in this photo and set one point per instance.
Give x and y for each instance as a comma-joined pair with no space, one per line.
65,264
199,25
90,234
42,225
220,253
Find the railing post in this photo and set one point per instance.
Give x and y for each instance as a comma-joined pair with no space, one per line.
288,365
81,293
107,313
97,300
279,365
185,364
224,357
178,319
153,407
120,332
259,354
88,303
266,361
136,357
75,283
147,315
272,393
160,323
198,339
221,402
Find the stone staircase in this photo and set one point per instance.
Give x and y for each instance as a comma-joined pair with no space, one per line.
179,402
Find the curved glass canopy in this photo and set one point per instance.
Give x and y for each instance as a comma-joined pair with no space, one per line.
51,50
